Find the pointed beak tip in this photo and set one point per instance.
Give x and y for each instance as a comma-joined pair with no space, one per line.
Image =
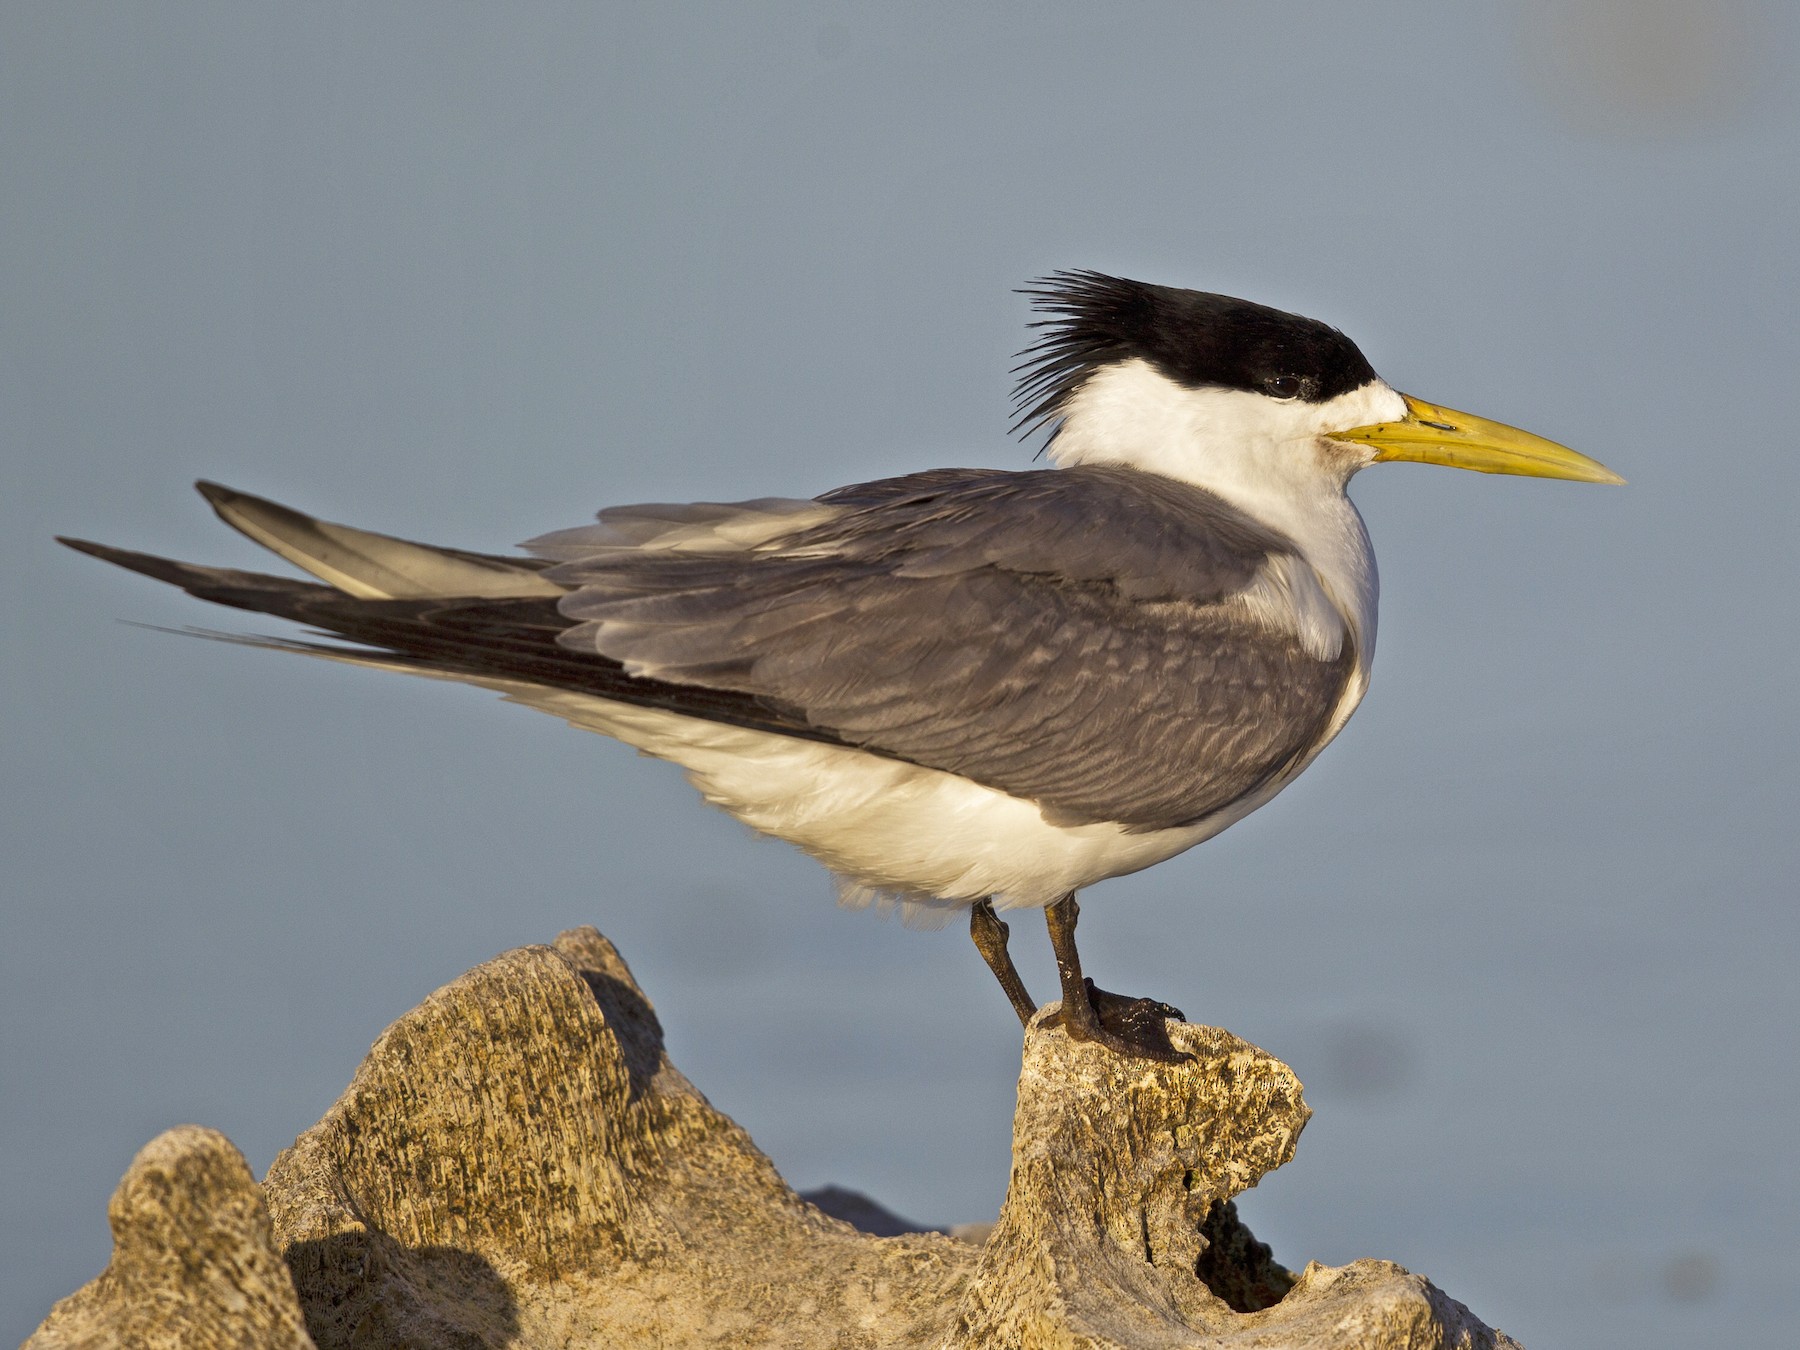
1593,471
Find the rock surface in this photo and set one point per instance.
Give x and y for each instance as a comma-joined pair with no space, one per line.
517,1163
193,1264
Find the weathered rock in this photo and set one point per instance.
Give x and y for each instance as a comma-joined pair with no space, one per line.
1122,1173
193,1263
517,1163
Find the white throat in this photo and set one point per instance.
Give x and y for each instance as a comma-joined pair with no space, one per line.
1268,457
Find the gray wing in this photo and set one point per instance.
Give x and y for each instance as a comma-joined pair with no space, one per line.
1066,636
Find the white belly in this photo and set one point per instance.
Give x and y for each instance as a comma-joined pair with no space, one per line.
892,832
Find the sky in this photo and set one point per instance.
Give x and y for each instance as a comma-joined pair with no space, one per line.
1526,931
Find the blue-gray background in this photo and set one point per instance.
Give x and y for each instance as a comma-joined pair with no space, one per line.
1527,931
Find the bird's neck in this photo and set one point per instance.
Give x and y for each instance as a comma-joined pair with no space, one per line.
1220,440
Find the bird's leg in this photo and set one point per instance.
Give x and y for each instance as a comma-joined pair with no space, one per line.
1126,1026
990,940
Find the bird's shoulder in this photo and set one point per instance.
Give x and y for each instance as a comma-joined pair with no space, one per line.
1148,536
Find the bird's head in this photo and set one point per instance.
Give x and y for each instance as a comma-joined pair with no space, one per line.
1238,397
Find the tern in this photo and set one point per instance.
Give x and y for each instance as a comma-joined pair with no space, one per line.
962,688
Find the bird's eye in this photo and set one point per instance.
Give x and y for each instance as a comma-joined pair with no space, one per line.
1284,386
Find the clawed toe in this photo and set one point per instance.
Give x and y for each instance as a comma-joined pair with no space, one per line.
1135,1027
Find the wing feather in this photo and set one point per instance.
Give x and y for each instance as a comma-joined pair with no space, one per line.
1072,636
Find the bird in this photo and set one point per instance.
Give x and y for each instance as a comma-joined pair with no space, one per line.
975,689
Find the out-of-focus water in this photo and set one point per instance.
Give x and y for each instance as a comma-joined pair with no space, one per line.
1527,931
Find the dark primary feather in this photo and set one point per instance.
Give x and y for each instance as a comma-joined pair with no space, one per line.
1057,635
479,638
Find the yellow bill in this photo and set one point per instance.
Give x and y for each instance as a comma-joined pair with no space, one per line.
1433,435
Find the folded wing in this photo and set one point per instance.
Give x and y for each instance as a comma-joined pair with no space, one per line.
1075,637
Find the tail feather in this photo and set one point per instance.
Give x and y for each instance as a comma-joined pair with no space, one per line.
374,566
505,642
207,583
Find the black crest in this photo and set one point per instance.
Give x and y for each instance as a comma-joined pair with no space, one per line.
1197,339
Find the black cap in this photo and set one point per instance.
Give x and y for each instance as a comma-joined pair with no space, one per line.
1195,338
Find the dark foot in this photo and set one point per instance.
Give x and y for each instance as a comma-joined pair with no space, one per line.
1135,1027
